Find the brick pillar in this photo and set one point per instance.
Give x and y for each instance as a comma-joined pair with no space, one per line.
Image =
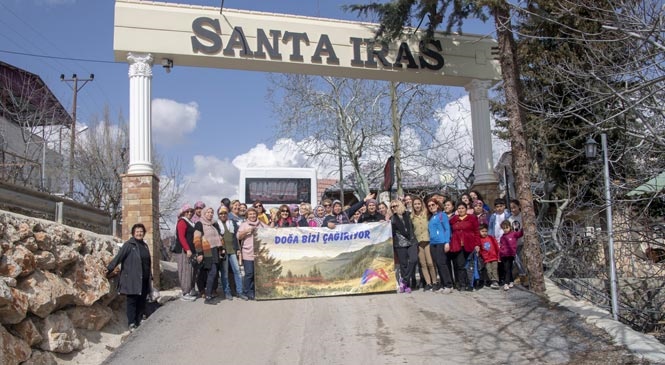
140,204
489,191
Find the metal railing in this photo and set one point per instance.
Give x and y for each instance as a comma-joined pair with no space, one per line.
22,200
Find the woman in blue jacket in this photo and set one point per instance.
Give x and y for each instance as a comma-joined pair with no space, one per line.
135,274
439,241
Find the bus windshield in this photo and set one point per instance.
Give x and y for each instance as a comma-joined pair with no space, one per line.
278,185
275,191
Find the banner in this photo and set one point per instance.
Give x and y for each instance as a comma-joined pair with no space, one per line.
313,262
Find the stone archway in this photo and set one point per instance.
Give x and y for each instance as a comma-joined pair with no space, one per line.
171,35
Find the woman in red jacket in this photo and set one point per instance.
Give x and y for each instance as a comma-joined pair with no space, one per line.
465,239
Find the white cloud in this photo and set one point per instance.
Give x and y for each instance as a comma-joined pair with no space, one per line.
171,120
283,154
211,180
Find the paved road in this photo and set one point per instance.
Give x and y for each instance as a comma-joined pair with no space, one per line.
483,327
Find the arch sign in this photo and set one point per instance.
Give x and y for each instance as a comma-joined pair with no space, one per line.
168,34
191,35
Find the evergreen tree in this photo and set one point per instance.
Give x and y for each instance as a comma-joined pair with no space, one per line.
267,271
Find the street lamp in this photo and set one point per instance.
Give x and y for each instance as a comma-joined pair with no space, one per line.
590,151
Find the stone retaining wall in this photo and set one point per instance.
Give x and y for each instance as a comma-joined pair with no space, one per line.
52,282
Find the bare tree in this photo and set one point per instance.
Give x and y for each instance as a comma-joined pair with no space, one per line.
171,186
102,158
333,116
398,14
357,115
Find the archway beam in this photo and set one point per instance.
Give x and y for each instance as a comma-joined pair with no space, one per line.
189,35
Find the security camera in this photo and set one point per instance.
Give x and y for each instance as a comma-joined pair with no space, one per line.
167,64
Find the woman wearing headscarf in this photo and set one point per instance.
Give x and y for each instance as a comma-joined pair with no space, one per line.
184,232
246,235
404,243
208,243
198,209
319,215
480,212
135,275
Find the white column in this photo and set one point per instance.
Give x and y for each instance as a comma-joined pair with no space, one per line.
481,130
140,114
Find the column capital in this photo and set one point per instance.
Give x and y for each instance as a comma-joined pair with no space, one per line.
140,64
477,89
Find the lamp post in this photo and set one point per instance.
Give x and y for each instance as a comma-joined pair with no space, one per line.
590,150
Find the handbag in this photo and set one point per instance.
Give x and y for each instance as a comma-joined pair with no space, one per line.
402,241
173,245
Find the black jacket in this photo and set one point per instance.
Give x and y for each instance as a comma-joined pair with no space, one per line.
404,226
189,236
131,272
369,218
343,217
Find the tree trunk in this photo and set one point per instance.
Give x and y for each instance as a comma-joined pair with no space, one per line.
521,161
397,147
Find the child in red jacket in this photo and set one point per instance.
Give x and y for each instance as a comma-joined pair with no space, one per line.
489,251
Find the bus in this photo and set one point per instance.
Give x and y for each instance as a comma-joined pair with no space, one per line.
274,186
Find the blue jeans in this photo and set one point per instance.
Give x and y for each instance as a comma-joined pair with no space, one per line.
248,283
233,261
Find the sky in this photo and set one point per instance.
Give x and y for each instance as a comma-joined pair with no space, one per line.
211,121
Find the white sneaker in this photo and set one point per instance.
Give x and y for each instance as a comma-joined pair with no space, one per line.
188,298
510,285
447,290
506,287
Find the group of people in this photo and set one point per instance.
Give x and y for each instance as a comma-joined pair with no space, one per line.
206,247
460,245
463,245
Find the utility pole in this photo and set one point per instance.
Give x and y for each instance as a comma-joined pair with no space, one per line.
76,88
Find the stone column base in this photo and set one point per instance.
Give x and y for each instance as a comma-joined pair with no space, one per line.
489,191
140,204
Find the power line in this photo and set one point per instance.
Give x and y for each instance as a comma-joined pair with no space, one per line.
56,57
41,35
